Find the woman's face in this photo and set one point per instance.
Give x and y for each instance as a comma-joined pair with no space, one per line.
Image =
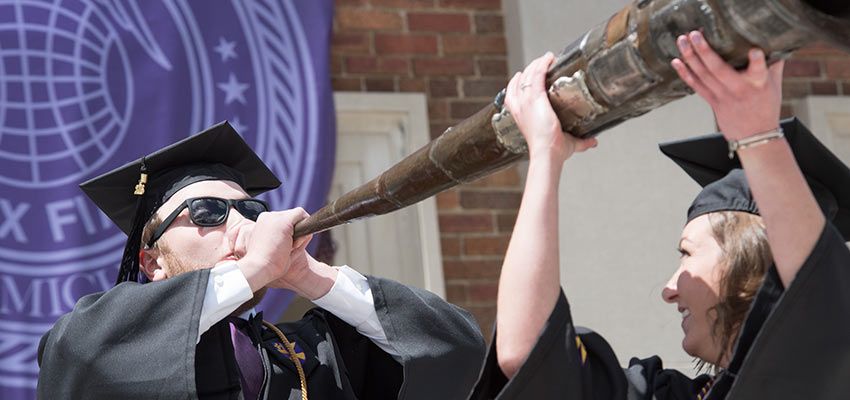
695,288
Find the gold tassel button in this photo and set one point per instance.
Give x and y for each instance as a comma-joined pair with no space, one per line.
140,187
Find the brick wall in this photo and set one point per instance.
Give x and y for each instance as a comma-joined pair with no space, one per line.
454,51
816,70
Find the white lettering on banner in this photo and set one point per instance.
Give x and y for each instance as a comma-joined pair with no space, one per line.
85,215
11,296
68,286
11,221
55,303
51,297
62,213
57,220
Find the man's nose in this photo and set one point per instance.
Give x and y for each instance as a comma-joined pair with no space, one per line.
234,220
234,217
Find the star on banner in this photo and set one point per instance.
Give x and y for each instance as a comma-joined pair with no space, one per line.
233,90
226,49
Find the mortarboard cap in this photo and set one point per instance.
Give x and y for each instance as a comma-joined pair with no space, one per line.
725,187
217,153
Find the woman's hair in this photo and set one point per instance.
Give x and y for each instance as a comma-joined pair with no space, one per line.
746,254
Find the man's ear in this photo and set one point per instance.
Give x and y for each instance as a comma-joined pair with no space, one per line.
149,266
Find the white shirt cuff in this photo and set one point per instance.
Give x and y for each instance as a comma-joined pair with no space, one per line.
350,299
227,289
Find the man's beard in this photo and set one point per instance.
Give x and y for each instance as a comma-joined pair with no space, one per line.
179,266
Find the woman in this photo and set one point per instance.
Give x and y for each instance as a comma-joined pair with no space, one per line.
765,341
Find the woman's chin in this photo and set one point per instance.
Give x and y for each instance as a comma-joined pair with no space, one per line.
689,347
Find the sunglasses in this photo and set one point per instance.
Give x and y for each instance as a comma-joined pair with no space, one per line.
211,211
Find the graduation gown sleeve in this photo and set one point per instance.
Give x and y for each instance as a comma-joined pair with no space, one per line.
565,363
570,362
132,342
803,349
439,344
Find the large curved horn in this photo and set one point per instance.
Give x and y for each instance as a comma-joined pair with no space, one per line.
618,70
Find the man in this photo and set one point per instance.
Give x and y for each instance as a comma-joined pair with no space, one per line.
210,251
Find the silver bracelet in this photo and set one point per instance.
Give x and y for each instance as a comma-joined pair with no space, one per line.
755,140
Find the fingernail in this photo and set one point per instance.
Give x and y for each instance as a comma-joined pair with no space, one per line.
696,37
550,54
756,53
682,41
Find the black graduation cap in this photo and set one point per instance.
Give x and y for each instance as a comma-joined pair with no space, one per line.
131,194
725,186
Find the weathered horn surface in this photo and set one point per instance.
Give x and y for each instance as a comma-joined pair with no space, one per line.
618,70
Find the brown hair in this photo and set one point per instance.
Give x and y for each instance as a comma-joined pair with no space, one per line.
147,231
746,254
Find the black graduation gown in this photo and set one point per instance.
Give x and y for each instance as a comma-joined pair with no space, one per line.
138,342
794,344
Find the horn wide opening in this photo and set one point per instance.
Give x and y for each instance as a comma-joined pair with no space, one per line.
835,8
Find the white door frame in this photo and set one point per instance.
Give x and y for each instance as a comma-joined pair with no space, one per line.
411,112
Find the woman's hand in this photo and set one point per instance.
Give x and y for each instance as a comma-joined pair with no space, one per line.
529,105
746,102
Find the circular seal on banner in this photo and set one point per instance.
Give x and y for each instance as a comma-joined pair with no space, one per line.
87,86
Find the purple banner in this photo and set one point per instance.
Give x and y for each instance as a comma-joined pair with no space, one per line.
86,86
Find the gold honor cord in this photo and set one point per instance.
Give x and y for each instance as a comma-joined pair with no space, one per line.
290,348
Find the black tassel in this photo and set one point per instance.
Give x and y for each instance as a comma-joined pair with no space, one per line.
129,270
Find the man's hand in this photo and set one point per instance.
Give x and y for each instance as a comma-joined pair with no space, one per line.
265,249
746,102
306,276
529,106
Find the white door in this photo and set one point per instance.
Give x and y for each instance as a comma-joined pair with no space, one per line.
385,245
375,131
828,117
